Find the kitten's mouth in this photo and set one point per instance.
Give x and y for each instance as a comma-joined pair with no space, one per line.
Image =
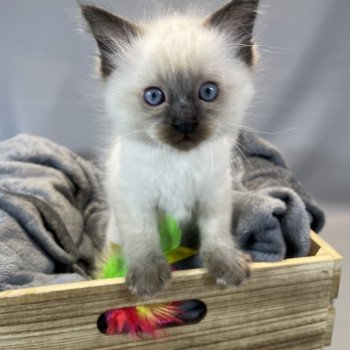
184,141
187,137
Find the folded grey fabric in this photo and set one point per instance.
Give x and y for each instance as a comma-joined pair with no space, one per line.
52,215
263,166
272,213
271,224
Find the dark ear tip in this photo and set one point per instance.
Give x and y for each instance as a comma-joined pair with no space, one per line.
81,5
243,2
88,10
234,4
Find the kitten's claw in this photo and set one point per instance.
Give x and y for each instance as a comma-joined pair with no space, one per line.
227,270
149,276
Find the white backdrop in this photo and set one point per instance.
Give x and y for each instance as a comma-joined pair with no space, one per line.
303,80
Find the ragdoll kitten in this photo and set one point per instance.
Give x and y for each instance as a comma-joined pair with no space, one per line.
176,88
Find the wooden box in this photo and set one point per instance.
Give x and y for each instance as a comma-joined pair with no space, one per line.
285,305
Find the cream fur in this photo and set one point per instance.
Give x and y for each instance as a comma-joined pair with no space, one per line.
162,50
145,177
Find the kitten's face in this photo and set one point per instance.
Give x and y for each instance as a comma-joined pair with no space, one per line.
179,81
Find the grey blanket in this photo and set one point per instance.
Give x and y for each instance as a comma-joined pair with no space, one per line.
273,213
53,216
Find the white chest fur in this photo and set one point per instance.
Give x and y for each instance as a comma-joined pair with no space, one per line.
145,177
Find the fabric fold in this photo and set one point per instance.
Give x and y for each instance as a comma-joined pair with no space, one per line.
52,213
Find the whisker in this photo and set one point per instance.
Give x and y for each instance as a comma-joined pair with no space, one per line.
256,130
236,144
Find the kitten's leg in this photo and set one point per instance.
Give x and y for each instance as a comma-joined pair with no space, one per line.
224,261
148,270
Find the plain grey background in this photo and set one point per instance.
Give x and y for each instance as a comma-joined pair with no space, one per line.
301,105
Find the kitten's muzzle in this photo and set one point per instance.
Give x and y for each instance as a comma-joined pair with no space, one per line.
184,127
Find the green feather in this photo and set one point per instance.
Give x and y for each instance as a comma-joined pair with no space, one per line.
115,265
170,240
170,234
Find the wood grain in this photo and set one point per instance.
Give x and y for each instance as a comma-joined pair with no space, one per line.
337,259
329,326
284,305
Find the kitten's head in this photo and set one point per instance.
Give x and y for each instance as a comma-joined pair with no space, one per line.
180,80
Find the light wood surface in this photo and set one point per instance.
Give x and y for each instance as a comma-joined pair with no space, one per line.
337,259
329,326
284,305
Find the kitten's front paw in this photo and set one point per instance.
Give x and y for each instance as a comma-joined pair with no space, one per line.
227,269
149,276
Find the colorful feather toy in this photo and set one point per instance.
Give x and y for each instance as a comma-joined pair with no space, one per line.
148,319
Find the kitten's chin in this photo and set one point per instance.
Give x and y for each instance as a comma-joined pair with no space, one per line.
187,143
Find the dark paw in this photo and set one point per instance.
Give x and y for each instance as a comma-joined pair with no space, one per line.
227,269
149,276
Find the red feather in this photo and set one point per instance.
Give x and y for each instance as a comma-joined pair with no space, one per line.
142,319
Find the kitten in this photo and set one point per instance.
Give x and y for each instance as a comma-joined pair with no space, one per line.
176,88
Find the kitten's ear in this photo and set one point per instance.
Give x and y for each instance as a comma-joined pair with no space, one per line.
237,19
112,34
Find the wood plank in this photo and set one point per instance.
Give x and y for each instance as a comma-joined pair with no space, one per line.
245,335
314,247
200,281
329,326
337,258
105,295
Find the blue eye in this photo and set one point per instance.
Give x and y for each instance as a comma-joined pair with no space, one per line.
154,96
208,92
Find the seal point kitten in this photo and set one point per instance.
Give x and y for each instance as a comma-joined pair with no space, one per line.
176,88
